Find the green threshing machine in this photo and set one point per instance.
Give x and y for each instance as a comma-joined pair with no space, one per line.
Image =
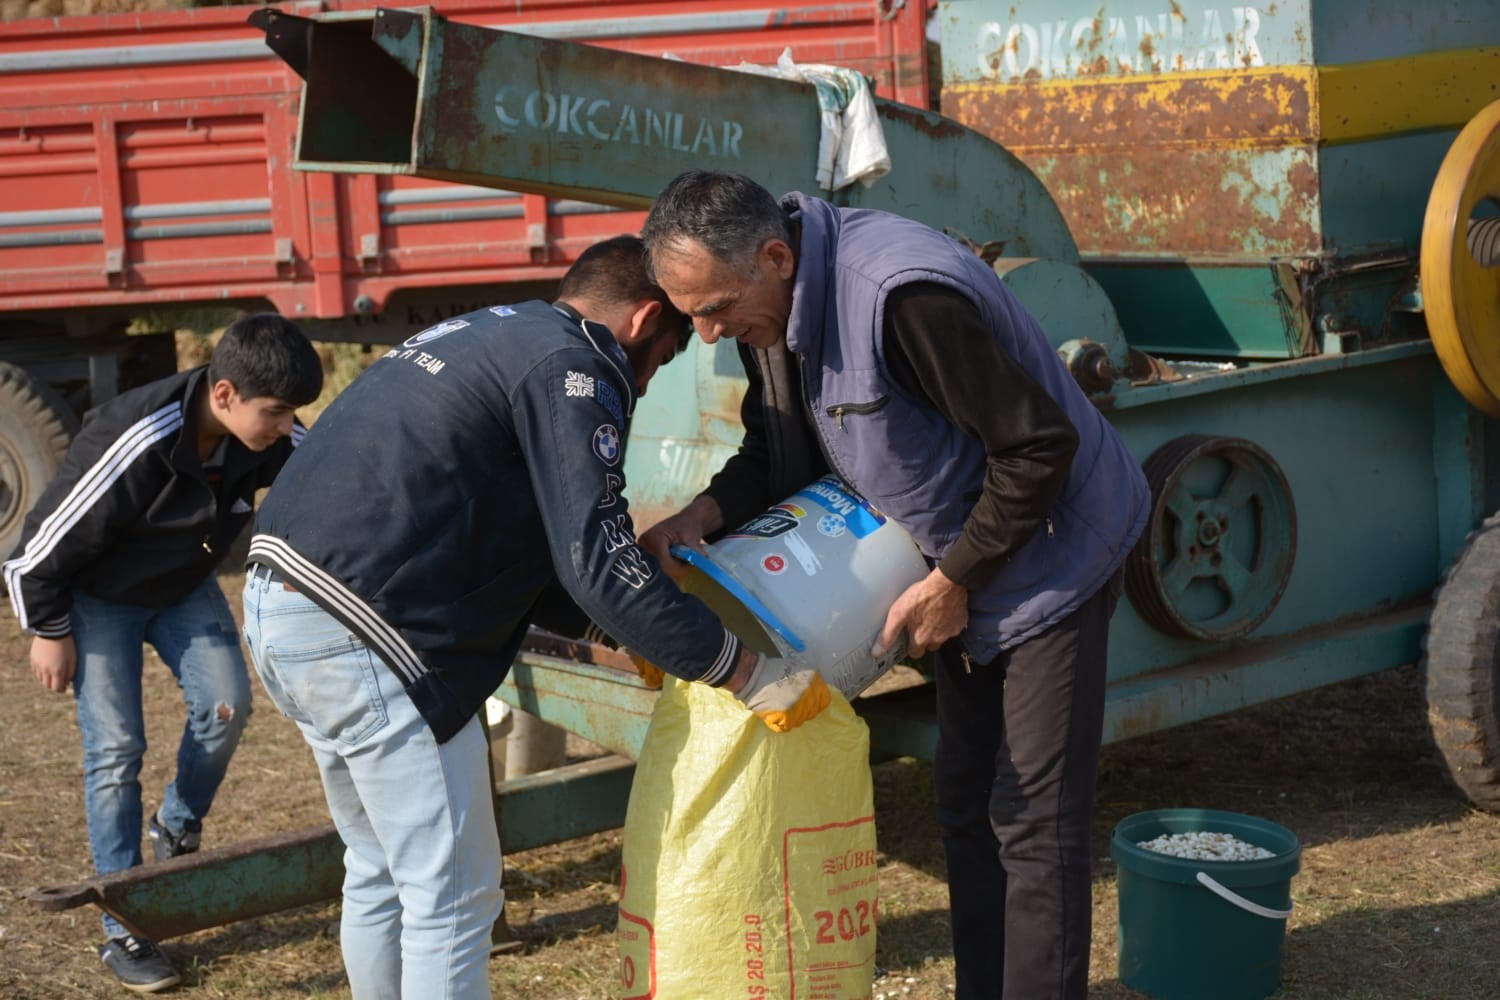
1266,240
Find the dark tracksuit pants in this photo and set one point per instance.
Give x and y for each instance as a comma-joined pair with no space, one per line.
1017,758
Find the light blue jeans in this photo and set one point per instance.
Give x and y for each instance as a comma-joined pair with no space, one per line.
196,639
421,853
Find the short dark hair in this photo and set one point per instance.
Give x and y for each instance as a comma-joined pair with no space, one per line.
266,354
731,215
614,271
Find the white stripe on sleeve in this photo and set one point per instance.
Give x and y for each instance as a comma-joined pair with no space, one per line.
91,486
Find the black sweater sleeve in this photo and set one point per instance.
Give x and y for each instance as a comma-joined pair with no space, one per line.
938,348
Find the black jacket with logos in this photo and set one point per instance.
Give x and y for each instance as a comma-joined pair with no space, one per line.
460,479
131,515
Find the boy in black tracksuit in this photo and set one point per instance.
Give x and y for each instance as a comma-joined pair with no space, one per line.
120,550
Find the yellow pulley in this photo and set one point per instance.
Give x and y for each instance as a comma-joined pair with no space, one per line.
1461,292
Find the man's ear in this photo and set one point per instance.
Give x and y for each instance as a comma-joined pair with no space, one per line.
222,393
782,258
643,322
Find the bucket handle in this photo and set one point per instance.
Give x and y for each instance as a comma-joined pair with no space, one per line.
1230,896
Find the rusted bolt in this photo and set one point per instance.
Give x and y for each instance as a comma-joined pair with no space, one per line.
1208,533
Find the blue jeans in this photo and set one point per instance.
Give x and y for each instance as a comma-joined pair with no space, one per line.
421,853
196,638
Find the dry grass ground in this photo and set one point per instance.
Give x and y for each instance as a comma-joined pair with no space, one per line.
1399,896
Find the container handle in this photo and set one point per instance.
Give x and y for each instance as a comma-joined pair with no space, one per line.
1230,896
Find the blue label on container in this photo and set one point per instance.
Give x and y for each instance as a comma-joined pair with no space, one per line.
859,517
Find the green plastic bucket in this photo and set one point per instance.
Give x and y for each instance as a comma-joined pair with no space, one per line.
1203,930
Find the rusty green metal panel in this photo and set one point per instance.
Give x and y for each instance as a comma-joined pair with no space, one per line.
565,802
1193,128
1233,679
270,874
605,702
1199,166
1202,309
1355,437
412,93
1302,135
213,887
987,40
1196,307
1163,129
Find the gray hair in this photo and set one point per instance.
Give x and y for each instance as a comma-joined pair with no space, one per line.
729,214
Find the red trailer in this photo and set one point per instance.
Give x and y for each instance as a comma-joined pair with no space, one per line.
145,170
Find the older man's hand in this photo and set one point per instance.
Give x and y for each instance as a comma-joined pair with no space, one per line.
930,612
686,527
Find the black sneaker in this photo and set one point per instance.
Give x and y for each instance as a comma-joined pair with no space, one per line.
138,965
165,844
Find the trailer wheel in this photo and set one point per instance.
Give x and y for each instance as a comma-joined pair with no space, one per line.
1460,666
35,428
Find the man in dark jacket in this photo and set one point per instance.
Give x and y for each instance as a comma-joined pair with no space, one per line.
120,550
399,561
887,353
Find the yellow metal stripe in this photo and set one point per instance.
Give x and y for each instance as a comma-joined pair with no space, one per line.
1271,106
1416,93
1263,107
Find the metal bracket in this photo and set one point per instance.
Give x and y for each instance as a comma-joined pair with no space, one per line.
287,36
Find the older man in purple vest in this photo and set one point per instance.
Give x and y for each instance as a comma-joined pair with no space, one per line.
889,354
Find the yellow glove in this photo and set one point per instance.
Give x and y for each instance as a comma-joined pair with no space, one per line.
649,672
784,694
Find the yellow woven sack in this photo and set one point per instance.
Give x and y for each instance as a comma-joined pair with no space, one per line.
749,858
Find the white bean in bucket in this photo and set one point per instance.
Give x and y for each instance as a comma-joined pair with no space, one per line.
1205,846
813,578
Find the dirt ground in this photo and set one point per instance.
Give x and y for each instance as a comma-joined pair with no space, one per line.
1398,897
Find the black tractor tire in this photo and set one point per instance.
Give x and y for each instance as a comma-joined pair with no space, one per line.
36,426
1460,667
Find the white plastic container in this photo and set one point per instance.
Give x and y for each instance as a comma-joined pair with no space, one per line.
812,577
